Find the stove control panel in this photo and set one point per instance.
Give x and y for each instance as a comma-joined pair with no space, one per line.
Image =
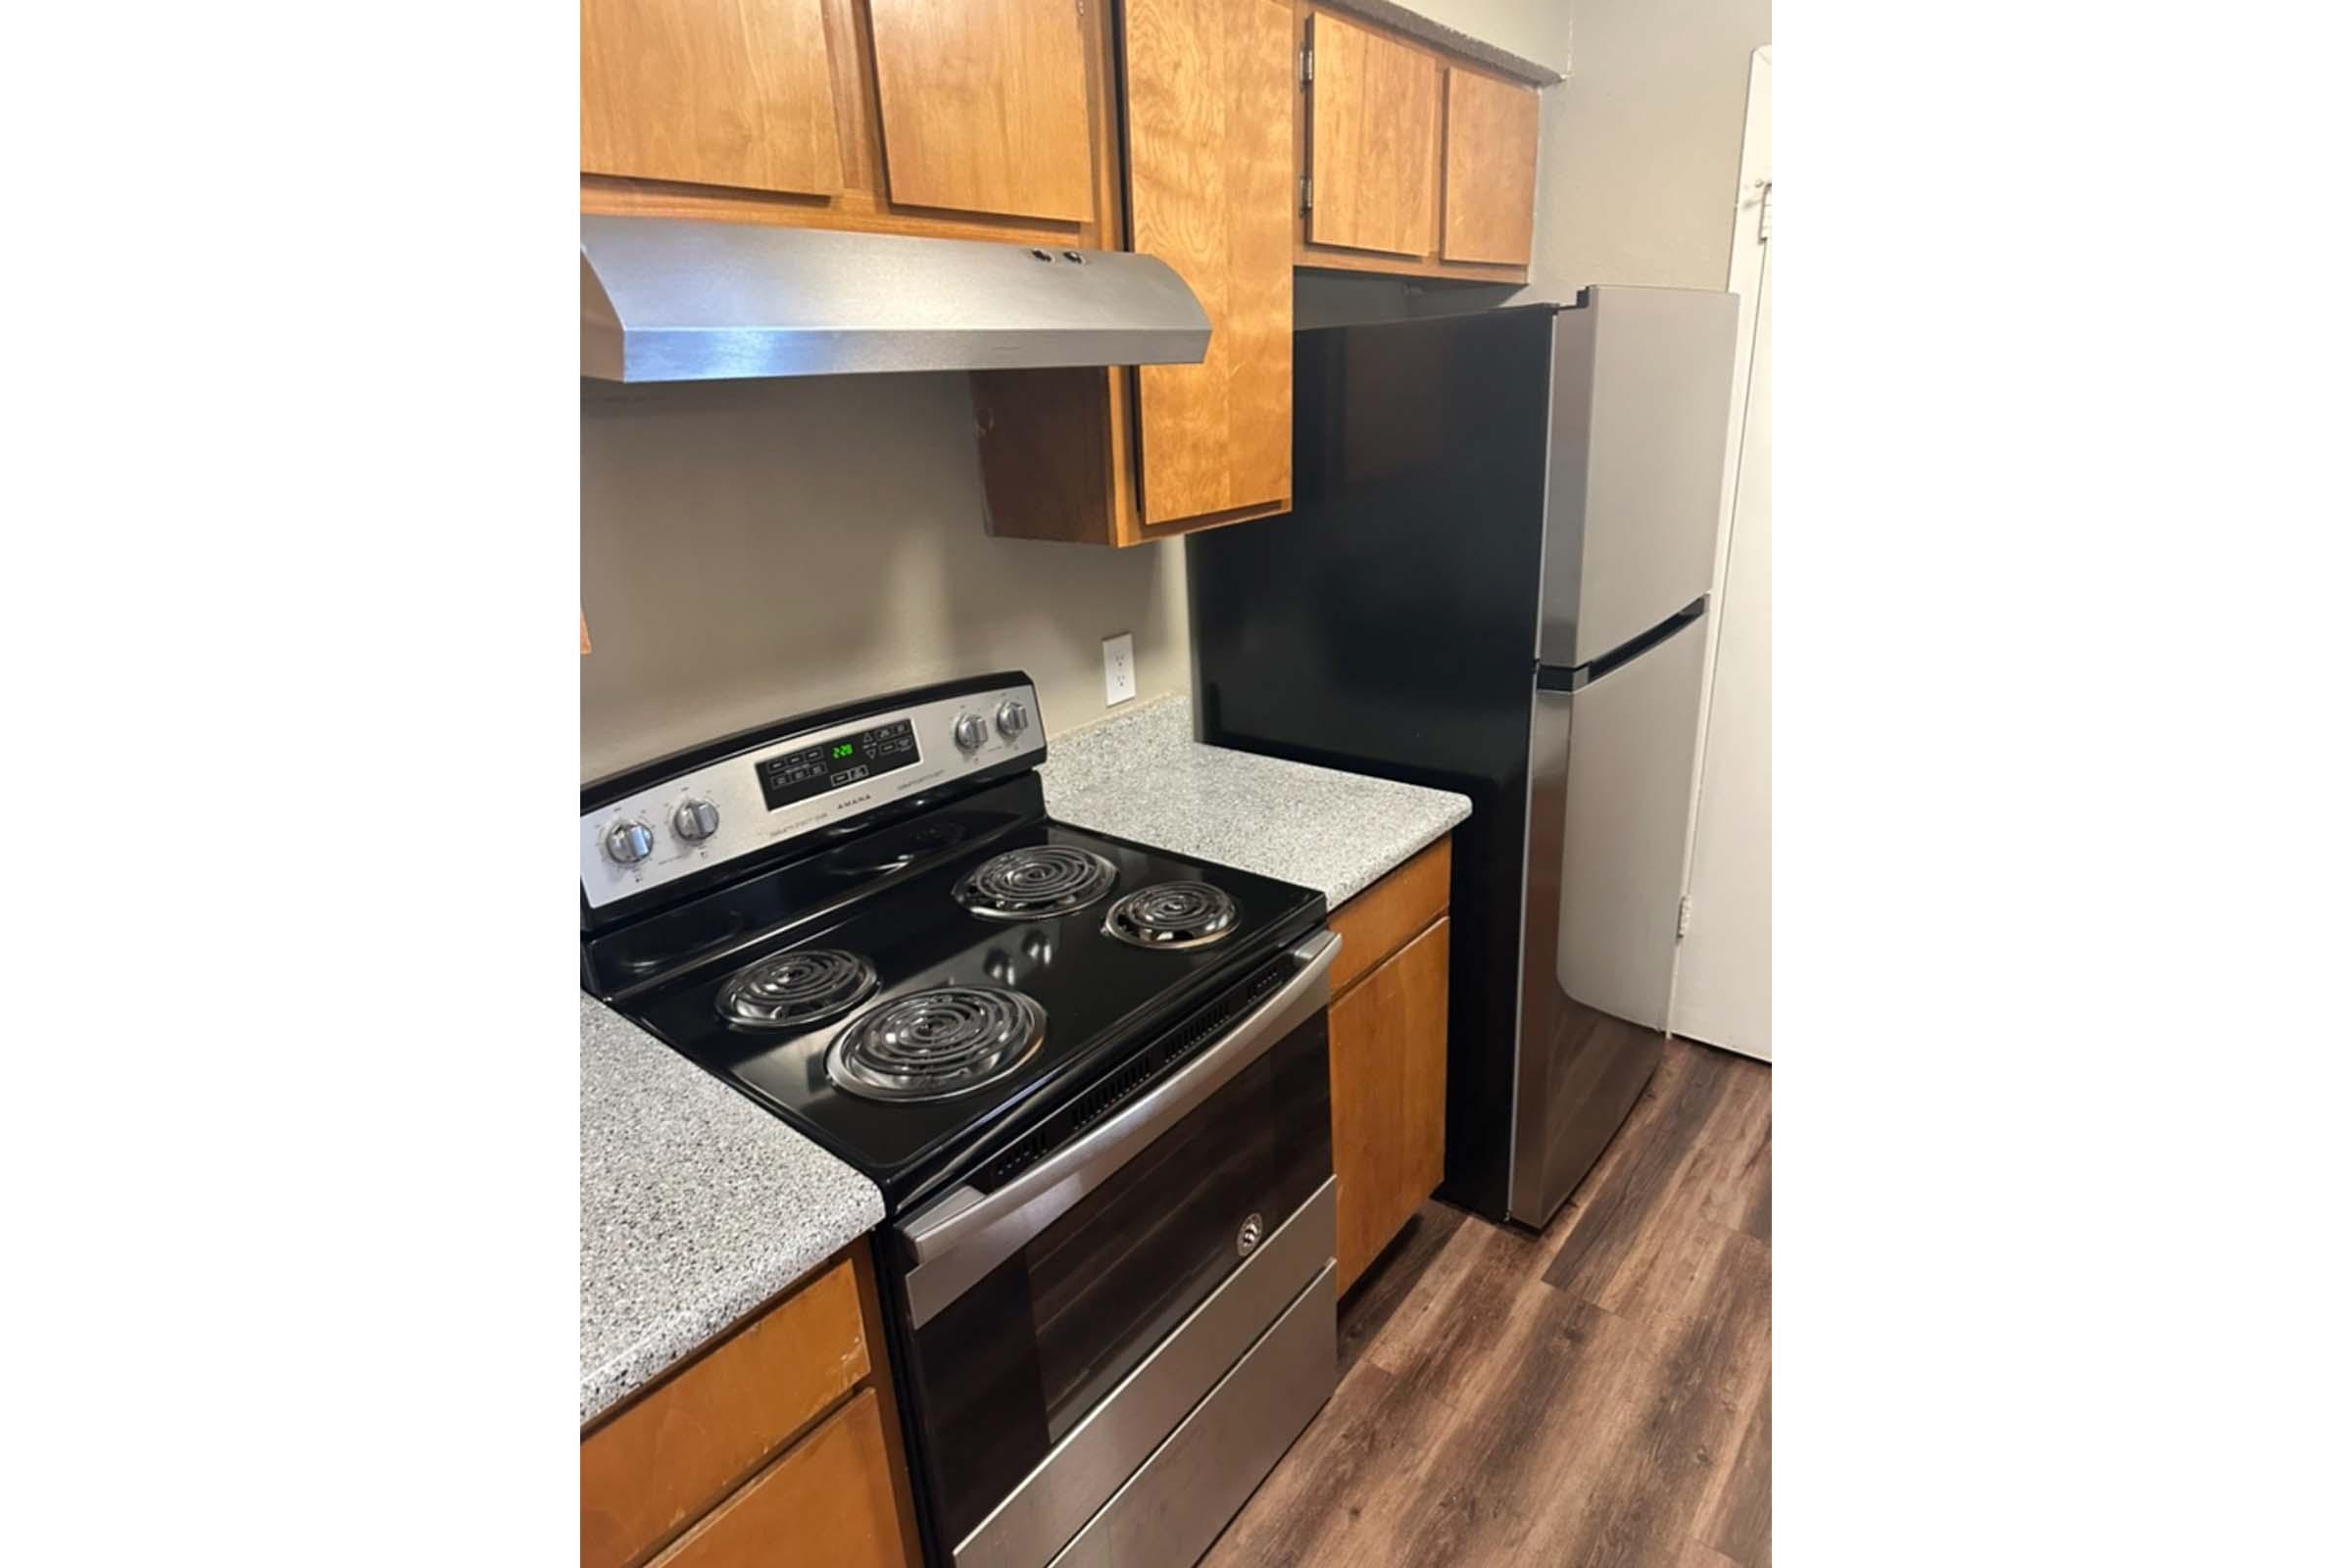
804,783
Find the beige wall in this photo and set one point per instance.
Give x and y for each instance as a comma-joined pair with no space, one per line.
1531,30
756,548
1641,144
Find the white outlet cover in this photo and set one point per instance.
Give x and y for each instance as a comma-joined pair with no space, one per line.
1118,669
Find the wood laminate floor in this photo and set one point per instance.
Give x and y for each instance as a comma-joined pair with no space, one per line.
1596,1396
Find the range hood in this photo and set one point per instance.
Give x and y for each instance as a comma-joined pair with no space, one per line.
664,299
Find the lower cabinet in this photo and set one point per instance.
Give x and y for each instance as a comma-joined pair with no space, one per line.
1388,1056
778,1446
827,1501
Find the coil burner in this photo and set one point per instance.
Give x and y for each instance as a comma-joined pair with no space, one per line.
934,1044
1174,914
796,990
1036,883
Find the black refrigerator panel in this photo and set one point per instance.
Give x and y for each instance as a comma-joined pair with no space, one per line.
1388,627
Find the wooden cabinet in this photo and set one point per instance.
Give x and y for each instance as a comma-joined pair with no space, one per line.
1490,170
1387,1054
1415,163
964,119
827,1501
1372,140
713,92
1388,1097
983,106
778,1446
1208,152
1125,457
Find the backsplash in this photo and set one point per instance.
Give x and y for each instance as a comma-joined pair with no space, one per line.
752,550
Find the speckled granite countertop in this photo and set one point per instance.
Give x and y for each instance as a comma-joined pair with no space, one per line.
696,1205
1140,775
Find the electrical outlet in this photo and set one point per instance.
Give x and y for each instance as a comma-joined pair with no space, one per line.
1118,669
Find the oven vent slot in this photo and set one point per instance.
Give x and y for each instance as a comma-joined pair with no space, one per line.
1150,1065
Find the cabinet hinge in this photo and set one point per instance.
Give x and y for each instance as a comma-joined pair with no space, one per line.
1764,214
1682,918
1306,67
1306,194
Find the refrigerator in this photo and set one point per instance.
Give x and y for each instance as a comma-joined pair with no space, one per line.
1494,581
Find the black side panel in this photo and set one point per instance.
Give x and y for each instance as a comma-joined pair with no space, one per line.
1388,627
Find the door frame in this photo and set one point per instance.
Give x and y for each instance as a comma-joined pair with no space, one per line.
1744,273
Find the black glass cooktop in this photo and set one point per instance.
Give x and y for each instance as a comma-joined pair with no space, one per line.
1012,973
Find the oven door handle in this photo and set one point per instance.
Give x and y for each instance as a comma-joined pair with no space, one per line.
962,1235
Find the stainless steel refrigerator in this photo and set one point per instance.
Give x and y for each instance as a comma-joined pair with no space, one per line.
1495,580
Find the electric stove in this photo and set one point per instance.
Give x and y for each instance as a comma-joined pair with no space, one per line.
1091,1078
898,979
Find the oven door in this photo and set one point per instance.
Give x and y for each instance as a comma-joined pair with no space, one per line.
1065,1324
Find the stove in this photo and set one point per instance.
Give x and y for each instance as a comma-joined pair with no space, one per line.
995,954
1090,1077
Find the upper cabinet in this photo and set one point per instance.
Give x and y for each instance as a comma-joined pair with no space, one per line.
1414,163
1208,177
964,118
1233,139
1371,141
1490,170
983,106
725,92
1126,457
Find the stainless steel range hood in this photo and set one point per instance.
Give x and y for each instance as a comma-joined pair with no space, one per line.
666,298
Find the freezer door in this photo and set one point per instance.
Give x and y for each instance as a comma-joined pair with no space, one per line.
1641,401
1611,770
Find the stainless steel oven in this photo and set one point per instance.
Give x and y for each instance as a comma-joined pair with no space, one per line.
1119,1322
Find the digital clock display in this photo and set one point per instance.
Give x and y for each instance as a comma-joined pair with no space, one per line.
836,765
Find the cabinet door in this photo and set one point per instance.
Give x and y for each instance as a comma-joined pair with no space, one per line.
1388,1097
1209,100
983,106
826,1503
668,1456
1489,169
1372,141
709,92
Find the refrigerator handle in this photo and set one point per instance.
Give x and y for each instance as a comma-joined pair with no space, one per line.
1576,677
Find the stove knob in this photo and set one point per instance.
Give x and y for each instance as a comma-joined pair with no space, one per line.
694,820
971,732
1012,719
629,842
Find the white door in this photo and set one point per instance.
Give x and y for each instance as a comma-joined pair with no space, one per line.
1723,974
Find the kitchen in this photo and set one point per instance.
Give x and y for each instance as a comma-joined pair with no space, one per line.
1041,589
341,1232
319,1250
